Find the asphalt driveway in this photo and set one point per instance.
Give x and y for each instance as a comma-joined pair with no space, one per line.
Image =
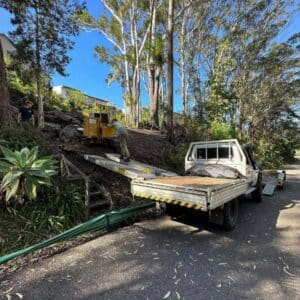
180,259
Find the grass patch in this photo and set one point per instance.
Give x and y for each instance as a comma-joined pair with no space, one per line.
57,209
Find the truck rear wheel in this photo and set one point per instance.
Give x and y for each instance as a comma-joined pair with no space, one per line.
257,194
230,214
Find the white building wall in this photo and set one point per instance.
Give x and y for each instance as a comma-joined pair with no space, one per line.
63,91
60,90
7,46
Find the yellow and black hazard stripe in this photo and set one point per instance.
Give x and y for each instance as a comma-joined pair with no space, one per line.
127,173
169,201
122,171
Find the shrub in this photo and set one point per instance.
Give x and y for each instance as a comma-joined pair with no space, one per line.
221,131
22,136
57,102
120,116
24,173
56,209
175,160
193,128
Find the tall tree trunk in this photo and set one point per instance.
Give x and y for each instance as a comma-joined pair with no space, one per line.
154,80
5,118
38,71
138,102
134,96
156,94
183,64
152,70
151,75
170,70
40,101
137,68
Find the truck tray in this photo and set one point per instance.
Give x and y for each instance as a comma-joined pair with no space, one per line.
192,181
200,193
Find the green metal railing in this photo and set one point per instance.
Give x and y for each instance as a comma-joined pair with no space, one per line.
98,223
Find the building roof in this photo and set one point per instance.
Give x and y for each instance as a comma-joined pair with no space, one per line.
91,98
7,44
2,35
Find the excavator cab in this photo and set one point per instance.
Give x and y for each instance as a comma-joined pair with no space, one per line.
97,127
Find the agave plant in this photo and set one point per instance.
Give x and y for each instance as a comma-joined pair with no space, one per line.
23,172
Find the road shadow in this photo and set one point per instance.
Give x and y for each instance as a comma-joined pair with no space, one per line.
191,257
252,215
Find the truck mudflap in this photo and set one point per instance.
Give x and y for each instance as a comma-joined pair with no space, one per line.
169,201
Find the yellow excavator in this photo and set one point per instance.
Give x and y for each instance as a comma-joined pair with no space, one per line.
97,128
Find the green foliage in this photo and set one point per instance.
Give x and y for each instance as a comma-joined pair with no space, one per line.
78,100
57,102
24,135
280,147
175,159
269,154
120,116
219,100
156,50
61,207
221,131
145,115
128,99
42,32
190,128
23,173
21,84
56,209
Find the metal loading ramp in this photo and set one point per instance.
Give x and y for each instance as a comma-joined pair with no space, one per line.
133,169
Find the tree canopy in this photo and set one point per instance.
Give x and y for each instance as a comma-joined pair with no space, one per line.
42,34
233,70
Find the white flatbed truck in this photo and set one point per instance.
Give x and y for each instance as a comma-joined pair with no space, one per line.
217,196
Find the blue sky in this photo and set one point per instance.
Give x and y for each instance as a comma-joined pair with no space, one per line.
88,74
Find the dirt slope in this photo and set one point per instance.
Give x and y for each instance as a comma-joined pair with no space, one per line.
144,145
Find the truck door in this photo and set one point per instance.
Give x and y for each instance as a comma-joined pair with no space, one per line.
252,170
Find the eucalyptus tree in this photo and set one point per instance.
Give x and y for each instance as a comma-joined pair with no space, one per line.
219,44
253,33
126,25
197,31
170,69
42,34
155,56
275,89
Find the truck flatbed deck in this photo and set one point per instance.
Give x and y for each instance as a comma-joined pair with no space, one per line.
193,181
201,193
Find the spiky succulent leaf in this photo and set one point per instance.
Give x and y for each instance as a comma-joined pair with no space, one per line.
24,172
5,167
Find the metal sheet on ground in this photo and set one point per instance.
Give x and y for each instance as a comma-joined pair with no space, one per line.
269,189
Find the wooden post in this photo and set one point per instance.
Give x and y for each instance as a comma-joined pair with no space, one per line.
87,196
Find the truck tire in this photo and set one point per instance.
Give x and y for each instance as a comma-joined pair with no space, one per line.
257,194
230,214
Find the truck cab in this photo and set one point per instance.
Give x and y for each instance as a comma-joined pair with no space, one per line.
224,152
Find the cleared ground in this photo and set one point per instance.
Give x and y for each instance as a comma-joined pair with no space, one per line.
185,258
